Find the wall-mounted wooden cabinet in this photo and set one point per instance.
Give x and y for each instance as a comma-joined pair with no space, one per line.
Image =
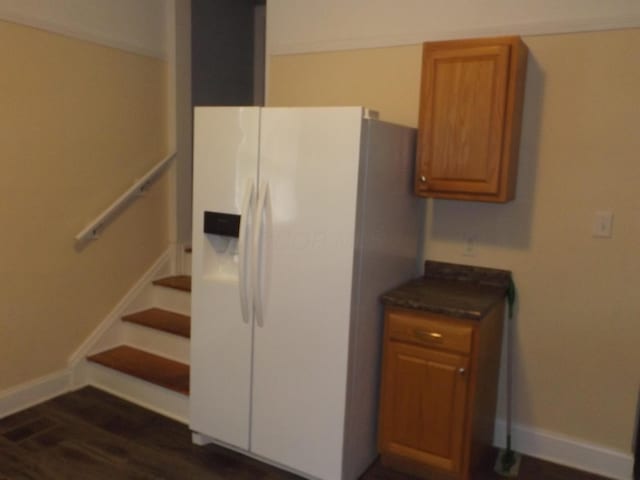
470,116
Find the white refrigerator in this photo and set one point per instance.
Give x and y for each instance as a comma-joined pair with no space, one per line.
301,217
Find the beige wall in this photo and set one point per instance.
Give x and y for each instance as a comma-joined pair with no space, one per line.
384,79
577,326
78,123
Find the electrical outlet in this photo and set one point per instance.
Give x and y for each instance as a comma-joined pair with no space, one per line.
602,224
469,249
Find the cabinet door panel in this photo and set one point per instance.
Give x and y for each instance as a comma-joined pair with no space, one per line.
462,118
423,405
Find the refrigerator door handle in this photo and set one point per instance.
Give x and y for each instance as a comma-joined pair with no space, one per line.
244,265
258,260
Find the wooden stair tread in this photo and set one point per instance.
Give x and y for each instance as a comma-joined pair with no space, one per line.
146,366
179,282
170,322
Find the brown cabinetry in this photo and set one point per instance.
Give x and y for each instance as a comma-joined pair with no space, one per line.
438,396
470,116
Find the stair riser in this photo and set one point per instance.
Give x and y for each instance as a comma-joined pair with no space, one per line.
161,343
147,395
171,299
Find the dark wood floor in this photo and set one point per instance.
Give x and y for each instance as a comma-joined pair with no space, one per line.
89,434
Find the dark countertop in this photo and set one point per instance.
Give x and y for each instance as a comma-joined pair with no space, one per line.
460,291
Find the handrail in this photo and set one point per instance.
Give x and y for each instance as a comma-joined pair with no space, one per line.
91,231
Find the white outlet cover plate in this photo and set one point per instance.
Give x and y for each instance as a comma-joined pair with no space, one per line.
602,224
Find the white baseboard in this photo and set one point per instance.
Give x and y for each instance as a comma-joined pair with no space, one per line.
162,265
565,450
34,392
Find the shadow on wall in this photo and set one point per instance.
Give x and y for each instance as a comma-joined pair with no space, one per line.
502,225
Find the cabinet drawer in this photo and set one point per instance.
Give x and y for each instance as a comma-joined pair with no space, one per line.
429,331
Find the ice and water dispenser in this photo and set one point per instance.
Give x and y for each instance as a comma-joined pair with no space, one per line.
221,258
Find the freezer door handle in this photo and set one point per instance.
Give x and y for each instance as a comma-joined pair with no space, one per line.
244,241
259,251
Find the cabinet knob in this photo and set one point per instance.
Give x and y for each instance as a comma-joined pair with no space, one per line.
462,371
423,179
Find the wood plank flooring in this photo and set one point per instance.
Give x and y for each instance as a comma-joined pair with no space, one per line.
89,434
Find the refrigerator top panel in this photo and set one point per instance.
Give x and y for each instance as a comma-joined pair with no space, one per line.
225,153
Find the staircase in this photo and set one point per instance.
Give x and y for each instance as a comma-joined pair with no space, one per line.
144,356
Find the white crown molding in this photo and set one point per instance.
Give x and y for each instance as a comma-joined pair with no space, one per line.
412,38
78,32
566,450
34,392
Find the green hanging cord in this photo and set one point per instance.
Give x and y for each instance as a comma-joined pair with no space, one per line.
509,459
511,296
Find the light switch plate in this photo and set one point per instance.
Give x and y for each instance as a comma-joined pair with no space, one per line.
602,224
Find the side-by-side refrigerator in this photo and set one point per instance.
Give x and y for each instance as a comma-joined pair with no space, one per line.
301,217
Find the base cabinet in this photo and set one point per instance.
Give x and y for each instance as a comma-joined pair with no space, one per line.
434,421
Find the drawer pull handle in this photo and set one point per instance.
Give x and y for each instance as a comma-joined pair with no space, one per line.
431,336
462,371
